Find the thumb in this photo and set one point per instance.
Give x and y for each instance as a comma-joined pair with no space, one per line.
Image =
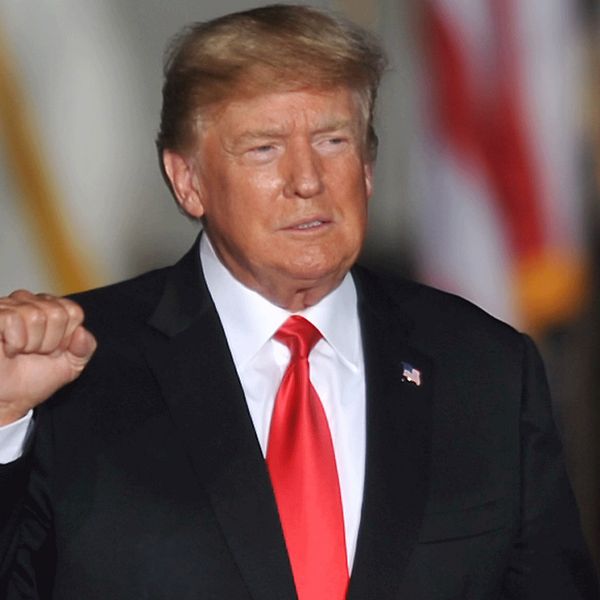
82,345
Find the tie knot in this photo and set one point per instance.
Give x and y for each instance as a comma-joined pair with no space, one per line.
299,335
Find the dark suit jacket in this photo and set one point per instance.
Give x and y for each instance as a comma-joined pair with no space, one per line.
145,479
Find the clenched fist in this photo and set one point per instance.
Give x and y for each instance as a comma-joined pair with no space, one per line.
43,346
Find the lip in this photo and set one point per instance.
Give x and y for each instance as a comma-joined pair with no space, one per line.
309,224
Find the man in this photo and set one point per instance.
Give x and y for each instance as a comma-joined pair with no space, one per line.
406,451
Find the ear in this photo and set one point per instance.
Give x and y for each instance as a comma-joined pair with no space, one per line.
368,175
181,172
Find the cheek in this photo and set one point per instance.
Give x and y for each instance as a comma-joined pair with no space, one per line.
252,199
237,203
353,199
355,224
259,183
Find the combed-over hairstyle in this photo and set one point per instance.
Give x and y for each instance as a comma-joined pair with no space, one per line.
272,48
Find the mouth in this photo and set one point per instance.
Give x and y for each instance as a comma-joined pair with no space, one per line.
309,224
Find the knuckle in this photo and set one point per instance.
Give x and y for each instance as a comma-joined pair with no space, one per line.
56,314
12,328
10,315
37,317
73,309
10,318
21,295
46,297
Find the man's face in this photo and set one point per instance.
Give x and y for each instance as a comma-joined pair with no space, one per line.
282,183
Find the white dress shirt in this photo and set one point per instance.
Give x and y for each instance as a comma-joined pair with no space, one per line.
13,438
336,369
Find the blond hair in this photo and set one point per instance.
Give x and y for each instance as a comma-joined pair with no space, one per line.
272,48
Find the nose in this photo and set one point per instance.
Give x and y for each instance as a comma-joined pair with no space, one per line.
304,178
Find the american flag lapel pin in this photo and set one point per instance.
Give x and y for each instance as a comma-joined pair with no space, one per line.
410,374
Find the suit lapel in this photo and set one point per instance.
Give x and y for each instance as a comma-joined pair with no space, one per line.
188,353
191,361
398,447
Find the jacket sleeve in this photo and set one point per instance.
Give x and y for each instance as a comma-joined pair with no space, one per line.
13,483
549,559
26,548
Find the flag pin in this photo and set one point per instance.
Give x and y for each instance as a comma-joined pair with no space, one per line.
410,374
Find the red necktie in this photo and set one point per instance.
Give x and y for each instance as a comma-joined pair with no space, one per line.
303,472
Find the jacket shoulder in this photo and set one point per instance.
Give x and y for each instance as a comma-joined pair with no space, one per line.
132,298
437,317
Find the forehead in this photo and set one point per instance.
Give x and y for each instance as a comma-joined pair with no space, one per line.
280,112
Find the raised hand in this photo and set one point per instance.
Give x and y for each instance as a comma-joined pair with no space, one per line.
43,346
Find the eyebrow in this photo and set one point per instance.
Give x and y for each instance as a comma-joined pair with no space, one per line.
261,133
279,132
335,125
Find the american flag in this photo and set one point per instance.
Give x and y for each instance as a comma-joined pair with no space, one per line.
410,374
501,219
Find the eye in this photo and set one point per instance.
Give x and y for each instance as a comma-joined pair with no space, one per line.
262,153
263,149
333,143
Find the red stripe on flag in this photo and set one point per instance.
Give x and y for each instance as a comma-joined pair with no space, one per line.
487,128
509,155
453,96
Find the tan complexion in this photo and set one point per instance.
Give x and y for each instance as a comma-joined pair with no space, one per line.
282,184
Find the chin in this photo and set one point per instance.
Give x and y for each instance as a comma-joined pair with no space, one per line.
315,272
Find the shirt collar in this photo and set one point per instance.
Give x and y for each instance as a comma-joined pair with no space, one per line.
250,320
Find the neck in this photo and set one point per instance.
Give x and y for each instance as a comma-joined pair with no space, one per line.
293,296
300,299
